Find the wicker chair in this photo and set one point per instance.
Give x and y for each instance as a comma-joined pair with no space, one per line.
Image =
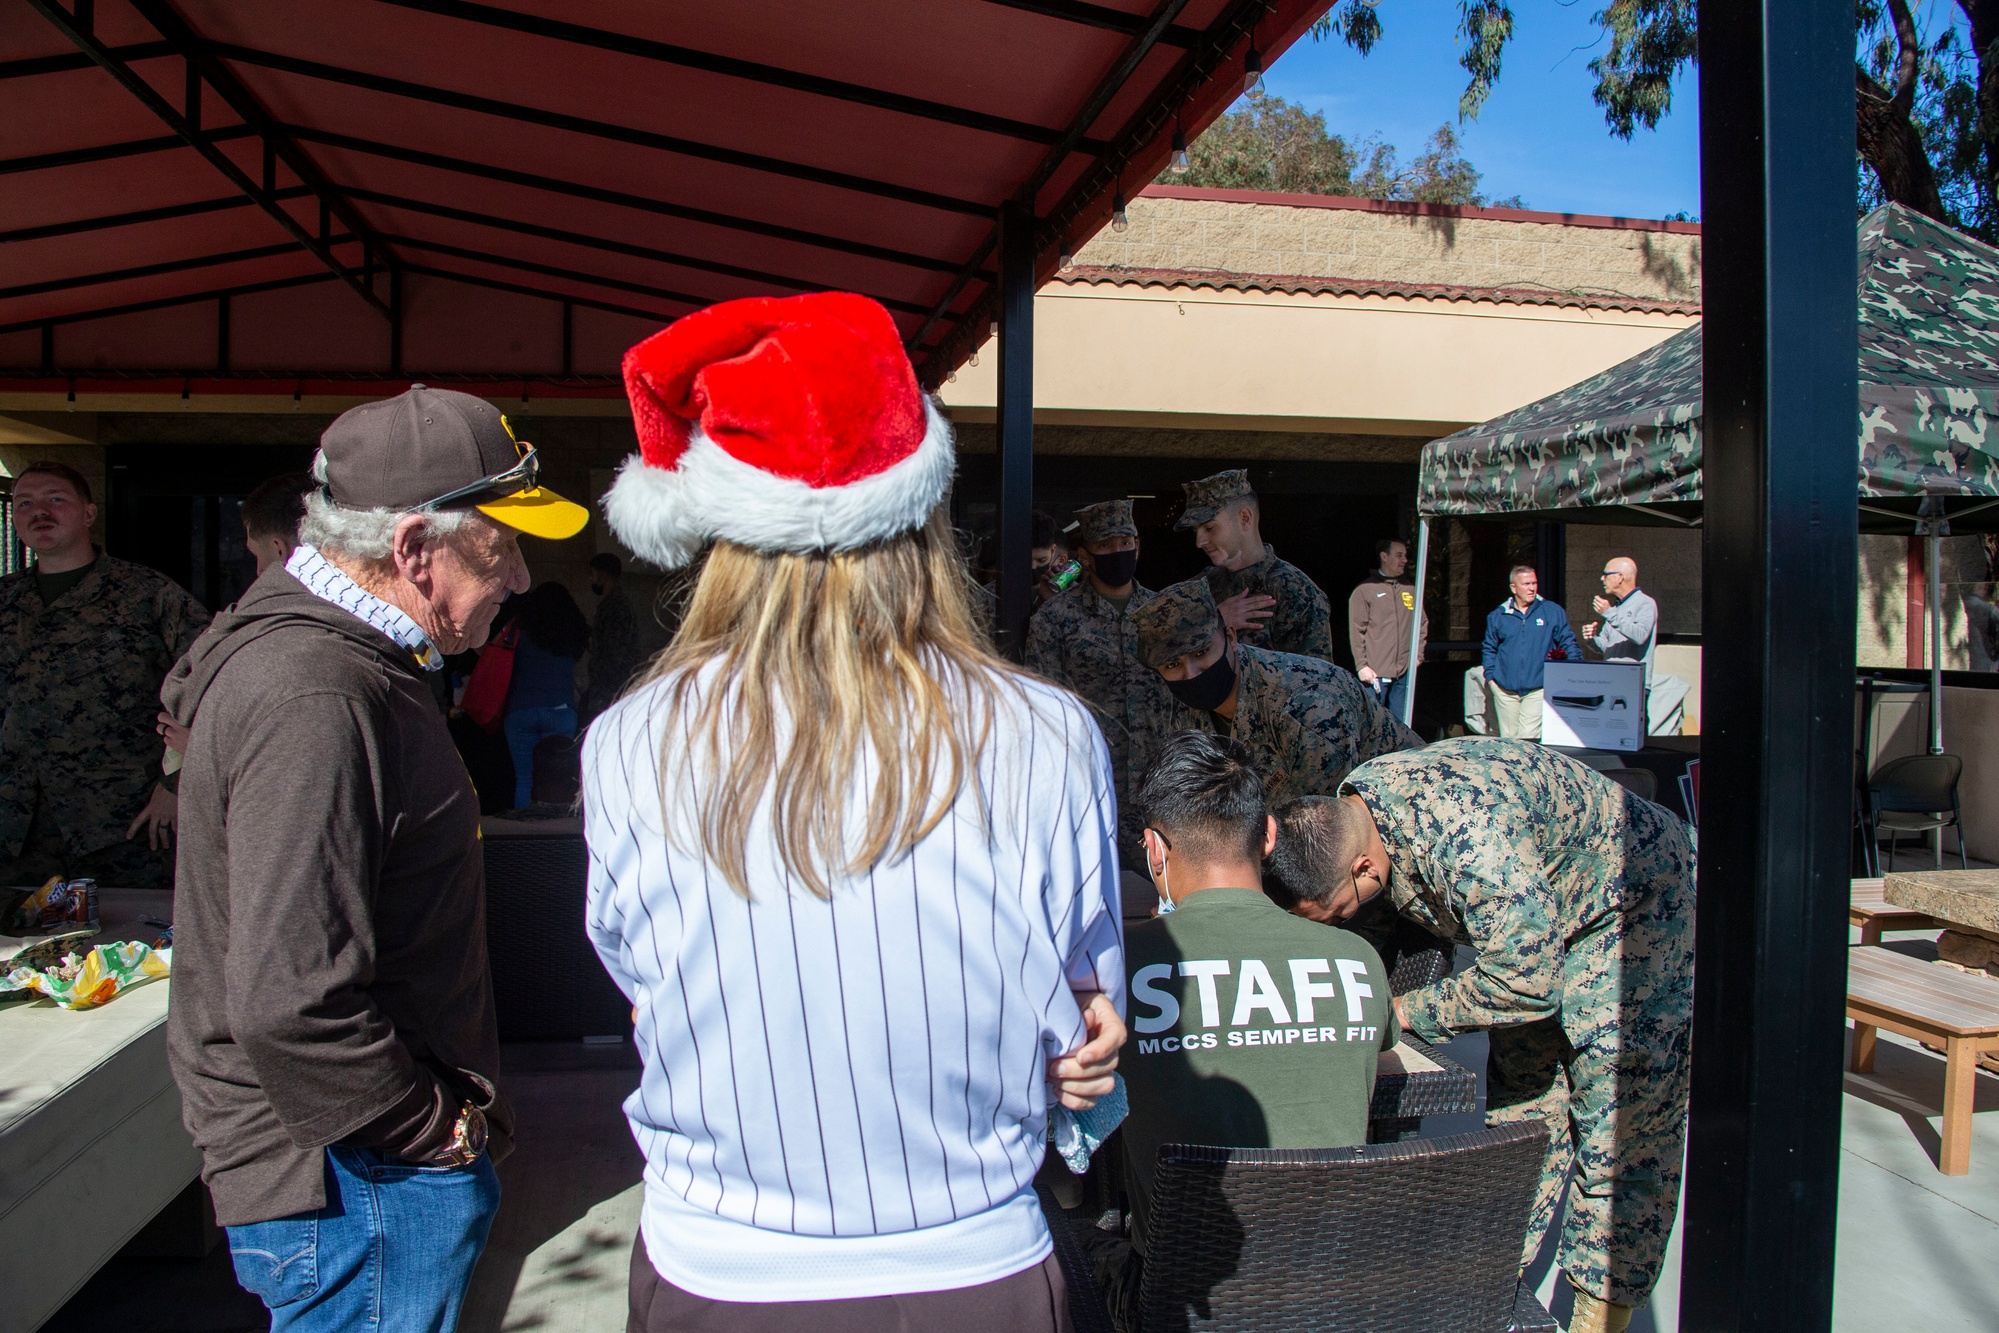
548,984
1414,1237
1421,959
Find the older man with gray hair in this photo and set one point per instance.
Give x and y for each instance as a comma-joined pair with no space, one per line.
332,1029
1629,630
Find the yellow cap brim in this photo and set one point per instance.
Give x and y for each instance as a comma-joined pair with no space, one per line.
539,513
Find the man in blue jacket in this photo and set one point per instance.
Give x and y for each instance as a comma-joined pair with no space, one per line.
1518,636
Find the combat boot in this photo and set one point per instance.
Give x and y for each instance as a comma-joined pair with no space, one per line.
1598,1316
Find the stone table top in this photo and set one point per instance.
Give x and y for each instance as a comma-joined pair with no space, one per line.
1967,898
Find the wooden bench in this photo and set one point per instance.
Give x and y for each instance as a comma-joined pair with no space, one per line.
1960,1012
1867,909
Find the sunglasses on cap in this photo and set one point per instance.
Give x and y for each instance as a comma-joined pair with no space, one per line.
522,476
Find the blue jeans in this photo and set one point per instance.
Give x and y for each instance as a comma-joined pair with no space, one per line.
1390,693
527,728
392,1250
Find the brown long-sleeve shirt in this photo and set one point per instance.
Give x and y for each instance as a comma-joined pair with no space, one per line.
330,974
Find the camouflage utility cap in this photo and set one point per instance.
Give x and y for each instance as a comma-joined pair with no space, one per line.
1179,621
1101,522
1210,495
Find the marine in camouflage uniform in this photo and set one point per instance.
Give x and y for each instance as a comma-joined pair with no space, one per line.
78,752
1579,898
1307,722
1086,643
1302,619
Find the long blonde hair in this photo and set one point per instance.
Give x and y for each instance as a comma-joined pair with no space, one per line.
789,670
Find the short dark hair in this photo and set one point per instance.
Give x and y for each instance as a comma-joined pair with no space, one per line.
1204,794
1519,569
61,472
606,563
1381,547
1318,838
275,506
553,621
1043,531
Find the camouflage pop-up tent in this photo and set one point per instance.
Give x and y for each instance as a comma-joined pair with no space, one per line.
1625,446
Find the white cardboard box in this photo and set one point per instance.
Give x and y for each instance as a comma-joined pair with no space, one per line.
1599,705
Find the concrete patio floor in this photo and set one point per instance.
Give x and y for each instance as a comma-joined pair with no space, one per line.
1915,1247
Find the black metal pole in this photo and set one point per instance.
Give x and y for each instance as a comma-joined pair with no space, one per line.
1780,404
1016,424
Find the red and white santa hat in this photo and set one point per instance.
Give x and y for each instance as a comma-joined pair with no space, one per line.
782,424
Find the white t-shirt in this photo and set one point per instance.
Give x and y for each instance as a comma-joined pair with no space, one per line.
849,1098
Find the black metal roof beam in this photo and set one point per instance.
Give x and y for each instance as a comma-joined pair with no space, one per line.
72,157
1196,68
752,71
1199,65
598,129
142,215
598,194
1102,16
79,33
606,244
203,66
69,60
165,302
1093,106
520,290
157,269
1100,97
625,285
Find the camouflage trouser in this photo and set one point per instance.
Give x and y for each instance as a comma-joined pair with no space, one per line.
122,865
1609,1076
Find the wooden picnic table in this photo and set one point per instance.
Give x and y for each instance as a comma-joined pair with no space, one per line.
1956,1009
1868,908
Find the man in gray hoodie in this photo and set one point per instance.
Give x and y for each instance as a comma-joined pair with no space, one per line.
332,1030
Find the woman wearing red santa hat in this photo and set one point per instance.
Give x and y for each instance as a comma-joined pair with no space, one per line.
856,873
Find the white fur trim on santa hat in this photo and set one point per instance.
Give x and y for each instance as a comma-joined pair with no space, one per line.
667,516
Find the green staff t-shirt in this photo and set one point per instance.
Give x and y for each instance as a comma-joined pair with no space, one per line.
1250,1028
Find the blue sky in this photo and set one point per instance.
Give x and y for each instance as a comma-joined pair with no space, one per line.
1539,136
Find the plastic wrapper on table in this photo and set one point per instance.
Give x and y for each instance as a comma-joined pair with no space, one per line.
83,981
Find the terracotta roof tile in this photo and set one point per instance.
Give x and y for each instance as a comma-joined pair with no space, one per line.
1094,275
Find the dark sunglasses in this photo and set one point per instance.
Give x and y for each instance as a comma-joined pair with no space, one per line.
522,476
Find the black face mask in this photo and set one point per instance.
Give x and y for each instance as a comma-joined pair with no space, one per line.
1115,570
1209,690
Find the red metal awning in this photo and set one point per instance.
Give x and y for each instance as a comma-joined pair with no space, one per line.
229,192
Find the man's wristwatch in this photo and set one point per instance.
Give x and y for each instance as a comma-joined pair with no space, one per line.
468,1140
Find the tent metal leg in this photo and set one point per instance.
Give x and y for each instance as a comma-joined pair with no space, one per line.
1416,621
1933,557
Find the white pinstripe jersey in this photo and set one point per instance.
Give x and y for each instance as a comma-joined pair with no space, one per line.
848,1097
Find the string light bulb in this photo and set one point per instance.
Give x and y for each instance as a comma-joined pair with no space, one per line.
1068,260
1178,162
1118,220
1252,71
